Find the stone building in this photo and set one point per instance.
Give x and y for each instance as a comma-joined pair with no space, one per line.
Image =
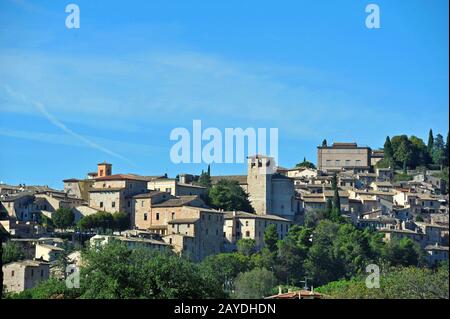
340,156
174,187
270,193
115,193
242,225
196,232
25,274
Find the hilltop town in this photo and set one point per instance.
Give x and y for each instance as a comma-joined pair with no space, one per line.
199,216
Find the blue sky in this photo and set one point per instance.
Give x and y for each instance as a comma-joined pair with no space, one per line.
115,88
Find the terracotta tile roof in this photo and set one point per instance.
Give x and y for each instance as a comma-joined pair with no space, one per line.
119,177
301,294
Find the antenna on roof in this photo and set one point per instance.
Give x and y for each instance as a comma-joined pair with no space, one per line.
306,282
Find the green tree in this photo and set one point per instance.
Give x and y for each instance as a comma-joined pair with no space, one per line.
246,246
419,152
306,164
86,223
388,151
226,267
395,283
271,237
336,204
438,154
403,252
402,150
205,180
228,195
62,260
49,289
121,221
12,251
292,252
63,218
115,272
46,222
3,237
430,145
446,152
254,284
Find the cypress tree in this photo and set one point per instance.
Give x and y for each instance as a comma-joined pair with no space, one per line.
430,142
388,151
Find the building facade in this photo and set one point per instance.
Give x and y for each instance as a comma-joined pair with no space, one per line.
341,156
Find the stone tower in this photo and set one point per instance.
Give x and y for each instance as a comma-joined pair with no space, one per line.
259,181
104,169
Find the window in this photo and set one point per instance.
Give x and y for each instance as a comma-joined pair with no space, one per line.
12,273
129,204
173,215
170,241
113,204
32,272
347,162
157,216
101,204
168,190
338,162
145,216
142,203
246,223
247,233
224,234
42,272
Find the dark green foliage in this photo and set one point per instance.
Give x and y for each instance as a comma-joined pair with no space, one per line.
430,141
229,196
254,284
50,289
306,164
63,218
12,251
226,267
103,221
205,179
403,252
121,221
271,237
395,283
246,247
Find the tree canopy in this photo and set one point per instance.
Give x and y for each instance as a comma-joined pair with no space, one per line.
63,218
228,195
